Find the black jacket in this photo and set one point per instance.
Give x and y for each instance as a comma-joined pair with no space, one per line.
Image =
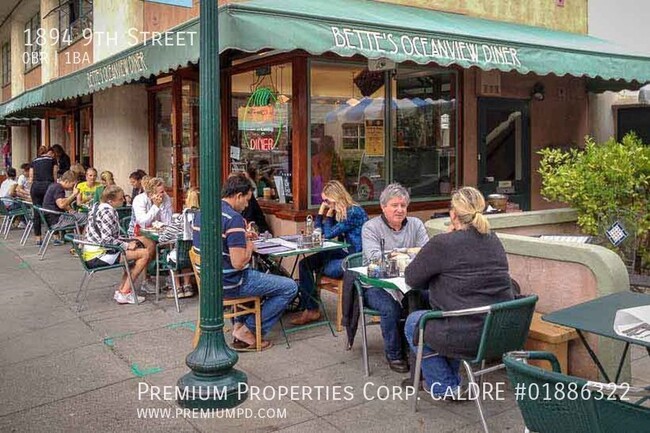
350,307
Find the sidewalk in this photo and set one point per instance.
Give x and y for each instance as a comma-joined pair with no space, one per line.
67,372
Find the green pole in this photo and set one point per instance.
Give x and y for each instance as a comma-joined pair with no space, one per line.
213,382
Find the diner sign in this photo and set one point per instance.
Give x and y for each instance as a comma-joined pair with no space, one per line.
133,64
380,44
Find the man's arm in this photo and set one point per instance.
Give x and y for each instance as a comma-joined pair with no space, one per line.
239,257
64,203
422,237
370,243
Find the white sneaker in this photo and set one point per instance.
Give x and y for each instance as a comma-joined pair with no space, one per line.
129,298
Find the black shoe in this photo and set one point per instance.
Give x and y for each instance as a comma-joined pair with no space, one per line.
398,365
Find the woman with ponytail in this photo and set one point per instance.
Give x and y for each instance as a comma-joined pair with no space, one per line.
463,268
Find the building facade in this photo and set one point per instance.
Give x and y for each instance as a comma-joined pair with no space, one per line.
304,86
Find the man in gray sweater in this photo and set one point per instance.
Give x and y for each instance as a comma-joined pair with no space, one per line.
398,231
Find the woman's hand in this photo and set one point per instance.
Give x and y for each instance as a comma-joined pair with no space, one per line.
157,199
330,212
323,208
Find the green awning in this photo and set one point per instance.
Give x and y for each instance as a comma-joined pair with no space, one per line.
132,64
367,28
402,33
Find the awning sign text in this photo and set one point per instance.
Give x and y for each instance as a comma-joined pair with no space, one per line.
379,44
129,67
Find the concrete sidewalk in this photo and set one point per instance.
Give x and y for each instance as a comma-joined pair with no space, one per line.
63,371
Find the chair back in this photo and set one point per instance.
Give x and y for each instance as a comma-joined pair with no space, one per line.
582,412
182,255
506,328
352,261
78,244
195,260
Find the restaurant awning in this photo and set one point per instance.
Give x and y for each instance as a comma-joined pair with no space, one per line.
370,29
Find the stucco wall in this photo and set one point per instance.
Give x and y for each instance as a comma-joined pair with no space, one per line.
572,17
112,22
19,146
120,131
560,119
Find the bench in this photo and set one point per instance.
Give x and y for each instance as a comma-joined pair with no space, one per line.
550,338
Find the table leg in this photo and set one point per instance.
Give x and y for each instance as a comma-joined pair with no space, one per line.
593,356
620,364
157,274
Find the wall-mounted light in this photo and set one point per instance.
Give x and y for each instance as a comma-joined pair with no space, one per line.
538,92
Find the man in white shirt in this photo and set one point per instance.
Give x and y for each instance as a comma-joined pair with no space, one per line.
152,205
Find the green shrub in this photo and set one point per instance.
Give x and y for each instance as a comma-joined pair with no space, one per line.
603,182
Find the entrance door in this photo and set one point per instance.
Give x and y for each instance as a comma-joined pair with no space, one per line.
504,149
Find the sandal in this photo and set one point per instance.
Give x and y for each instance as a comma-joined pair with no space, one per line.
242,346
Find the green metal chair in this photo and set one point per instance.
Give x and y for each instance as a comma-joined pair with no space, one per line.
67,222
592,407
355,261
505,330
10,215
175,269
78,244
29,218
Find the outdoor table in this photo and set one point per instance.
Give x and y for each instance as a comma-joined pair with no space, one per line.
597,316
395,286
278,249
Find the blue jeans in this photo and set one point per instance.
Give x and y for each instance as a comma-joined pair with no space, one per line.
439,371
276,293
326,262
391,313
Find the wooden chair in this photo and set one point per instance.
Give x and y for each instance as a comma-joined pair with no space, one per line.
334,285
240,306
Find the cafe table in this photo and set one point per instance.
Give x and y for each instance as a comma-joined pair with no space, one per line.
278,249
597,317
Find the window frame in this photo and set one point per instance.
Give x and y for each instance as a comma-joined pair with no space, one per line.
33,25
69,33
5,58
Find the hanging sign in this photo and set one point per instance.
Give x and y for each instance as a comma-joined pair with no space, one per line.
375,137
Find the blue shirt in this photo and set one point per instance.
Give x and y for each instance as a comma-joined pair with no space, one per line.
349,228
233,232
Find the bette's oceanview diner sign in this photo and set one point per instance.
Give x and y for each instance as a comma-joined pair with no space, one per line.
133,64
379,44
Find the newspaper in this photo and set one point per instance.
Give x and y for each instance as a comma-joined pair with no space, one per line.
633,323
399,282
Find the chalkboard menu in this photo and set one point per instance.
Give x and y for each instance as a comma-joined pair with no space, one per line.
283,185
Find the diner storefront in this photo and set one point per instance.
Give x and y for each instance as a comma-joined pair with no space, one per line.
368,94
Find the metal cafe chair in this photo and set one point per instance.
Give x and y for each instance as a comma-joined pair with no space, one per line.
77,245
10,215
547,406
505,329
66,222
29,217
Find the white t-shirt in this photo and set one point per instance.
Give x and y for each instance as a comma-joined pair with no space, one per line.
5,188
23,182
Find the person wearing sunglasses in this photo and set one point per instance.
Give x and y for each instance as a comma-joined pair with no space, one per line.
339,216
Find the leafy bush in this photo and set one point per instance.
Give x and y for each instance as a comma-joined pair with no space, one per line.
603,182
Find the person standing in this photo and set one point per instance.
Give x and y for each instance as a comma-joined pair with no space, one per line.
62,159
41,175
397,231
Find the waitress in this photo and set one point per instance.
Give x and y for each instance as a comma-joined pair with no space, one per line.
41,175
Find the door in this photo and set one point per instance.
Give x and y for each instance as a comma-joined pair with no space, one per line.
504,149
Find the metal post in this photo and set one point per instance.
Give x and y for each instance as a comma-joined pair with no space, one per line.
213,382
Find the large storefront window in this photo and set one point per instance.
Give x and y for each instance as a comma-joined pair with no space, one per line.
190,136
424,138
356,140
260,125
347,119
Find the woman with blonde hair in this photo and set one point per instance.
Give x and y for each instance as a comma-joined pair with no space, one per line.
152,205
339,216
463,268
106,179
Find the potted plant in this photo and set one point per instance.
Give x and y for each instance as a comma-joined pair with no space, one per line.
606,183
